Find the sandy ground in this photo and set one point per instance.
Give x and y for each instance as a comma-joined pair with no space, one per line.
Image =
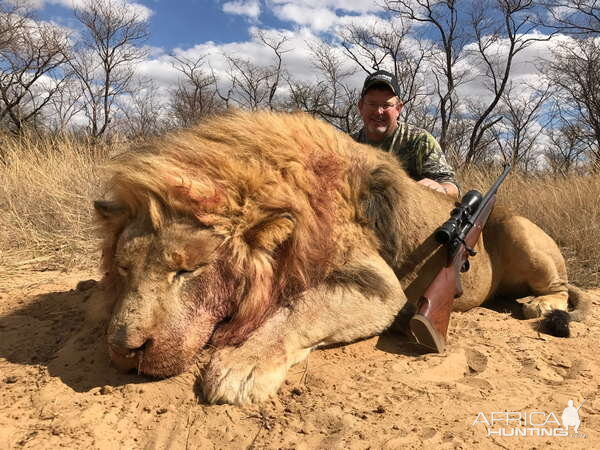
57,388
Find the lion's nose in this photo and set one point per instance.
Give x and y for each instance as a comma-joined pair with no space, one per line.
127,344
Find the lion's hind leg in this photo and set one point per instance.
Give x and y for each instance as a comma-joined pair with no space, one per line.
535,267
550,300
553,299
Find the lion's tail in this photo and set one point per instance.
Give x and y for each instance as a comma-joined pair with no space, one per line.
556,322
581,302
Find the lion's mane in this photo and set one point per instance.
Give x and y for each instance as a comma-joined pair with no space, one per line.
275,186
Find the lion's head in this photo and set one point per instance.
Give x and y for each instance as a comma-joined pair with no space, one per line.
208,230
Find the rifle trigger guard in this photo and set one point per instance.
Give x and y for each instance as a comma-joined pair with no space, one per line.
466,266
469,250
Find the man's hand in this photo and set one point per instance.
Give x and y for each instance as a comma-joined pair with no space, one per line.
445,188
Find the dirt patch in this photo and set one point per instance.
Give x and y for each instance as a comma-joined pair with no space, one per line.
57,388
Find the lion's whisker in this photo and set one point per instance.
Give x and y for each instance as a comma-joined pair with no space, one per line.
140,359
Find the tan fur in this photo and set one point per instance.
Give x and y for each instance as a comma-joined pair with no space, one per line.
270,234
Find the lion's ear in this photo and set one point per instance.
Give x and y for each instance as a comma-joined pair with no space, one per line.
270,232
109,211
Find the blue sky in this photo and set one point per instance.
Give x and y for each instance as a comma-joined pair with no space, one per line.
186,23
174,23
226,27
183,24
214,31
218,28
192,22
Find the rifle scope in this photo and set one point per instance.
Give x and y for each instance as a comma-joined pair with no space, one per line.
467,206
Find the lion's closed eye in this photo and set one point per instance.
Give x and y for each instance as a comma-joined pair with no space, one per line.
123,270
182,272
187,273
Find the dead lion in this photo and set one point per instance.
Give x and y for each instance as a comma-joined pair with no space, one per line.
266,235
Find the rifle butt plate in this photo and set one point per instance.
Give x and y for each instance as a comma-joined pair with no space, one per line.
426,334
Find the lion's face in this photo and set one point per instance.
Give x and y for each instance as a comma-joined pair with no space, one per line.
170,293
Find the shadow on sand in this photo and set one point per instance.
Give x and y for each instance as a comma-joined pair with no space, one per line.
57,330
53,330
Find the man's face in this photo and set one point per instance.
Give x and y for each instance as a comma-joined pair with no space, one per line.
379,109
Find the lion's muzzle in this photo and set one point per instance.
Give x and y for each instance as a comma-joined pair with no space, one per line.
126,348
125,361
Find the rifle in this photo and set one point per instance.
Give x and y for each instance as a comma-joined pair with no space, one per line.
459,234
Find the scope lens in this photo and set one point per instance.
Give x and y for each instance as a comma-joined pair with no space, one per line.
444,233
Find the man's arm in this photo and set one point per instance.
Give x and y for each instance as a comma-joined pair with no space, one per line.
435,171
446,187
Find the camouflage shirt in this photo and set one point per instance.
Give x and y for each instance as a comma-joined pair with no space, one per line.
418,150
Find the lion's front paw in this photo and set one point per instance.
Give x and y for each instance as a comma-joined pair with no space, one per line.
233,377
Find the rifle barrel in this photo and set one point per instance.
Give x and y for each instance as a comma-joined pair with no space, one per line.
493,189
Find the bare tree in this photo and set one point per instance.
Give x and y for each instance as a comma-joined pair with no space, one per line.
254,86
441,22
513,22
307,96
64,105
107,55
332,97
32,56
575,71
457,139
250,83
276,44
524,122
470,40
195,96
387,46
143,111
567,148
580,17
14,15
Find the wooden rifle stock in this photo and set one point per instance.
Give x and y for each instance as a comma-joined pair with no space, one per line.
430,324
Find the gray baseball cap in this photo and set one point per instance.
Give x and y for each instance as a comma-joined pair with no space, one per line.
381,77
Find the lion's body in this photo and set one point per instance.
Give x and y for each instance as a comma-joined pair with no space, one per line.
271,234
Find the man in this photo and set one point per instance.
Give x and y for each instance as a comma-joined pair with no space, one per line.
422,156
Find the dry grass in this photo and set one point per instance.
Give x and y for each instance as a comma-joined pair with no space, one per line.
48,185
567,208
45,202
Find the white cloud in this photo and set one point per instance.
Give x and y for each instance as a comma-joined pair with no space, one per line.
324,15
525,69
250,8
141,11
312,18
365,20
160,70
319,19
297,60
356,6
